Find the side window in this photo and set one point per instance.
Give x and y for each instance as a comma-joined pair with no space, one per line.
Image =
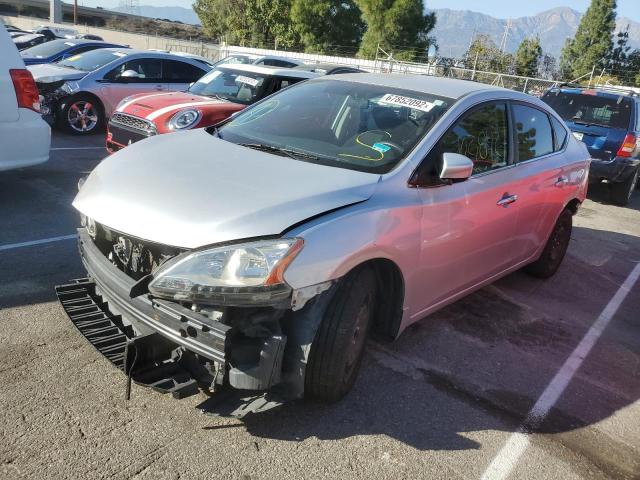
149,70
533,132
181,72
482,135
559,134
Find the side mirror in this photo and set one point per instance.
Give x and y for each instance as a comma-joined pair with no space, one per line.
455,166
128,75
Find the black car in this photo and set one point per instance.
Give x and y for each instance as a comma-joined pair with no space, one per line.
607,120
30,40
329,68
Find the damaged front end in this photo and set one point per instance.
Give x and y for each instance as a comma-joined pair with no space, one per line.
51,92
143,307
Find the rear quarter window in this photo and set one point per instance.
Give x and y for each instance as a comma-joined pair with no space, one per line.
559,134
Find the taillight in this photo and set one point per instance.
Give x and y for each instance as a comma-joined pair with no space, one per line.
26,90
628,146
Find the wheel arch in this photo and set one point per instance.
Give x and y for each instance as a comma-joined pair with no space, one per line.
389,296
573,205
83,93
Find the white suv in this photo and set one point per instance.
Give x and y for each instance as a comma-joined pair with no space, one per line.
25,137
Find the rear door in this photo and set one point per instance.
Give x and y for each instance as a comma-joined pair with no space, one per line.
179,75
468,227
539,176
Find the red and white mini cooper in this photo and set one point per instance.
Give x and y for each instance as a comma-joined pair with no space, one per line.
216,96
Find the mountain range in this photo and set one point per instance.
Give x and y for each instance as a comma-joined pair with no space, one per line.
455,28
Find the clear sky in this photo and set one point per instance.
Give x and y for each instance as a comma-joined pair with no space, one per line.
495,8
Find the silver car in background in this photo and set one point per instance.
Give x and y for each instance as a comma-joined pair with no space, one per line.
81,92
258,255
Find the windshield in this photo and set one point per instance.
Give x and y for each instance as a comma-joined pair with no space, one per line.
235,86
343,124
92,60
47,49
590,109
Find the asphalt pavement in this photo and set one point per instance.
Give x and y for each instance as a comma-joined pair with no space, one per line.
449,399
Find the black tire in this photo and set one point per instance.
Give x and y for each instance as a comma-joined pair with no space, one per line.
621,192
555,249
82,105
337,350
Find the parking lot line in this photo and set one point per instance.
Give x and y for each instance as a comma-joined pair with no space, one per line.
506,459
11,246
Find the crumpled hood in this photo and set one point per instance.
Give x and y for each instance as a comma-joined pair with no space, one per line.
47,73
191,189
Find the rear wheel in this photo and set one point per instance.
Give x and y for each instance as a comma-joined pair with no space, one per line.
555,249
621,192
337,350
81,115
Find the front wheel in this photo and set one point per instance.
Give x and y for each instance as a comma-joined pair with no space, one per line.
338,348
80,115
621,192
555,249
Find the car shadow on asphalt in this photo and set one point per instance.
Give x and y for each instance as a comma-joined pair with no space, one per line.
482,362
599,192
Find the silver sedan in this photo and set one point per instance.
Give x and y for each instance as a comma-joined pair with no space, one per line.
80,92
266,250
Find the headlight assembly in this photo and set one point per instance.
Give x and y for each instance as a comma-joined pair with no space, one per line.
243,274
185,119
70,87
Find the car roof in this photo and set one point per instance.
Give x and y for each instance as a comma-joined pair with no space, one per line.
443,87
81,41
324,66
611,92
279,71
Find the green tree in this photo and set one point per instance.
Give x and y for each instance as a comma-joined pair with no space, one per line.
397,26
592,43
483,54
324,25
619,59
527,57
224,19
259,23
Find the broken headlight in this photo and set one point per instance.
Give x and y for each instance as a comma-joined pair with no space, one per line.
248,273
70,87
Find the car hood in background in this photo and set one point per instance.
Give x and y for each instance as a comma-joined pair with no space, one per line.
46,73
190,189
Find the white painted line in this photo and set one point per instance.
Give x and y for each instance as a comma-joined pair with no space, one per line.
76,148
508,456
31,243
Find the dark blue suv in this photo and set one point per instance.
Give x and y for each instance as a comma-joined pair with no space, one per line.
607,120
57,50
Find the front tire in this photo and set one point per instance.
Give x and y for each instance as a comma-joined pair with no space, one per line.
621,192
553,254
337,350
80,115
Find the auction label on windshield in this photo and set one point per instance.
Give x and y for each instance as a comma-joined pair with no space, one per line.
407,102
248,80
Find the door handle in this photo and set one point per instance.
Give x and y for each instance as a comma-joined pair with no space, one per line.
506,200
562,181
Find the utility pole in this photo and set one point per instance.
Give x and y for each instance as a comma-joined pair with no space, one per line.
505,36
75,12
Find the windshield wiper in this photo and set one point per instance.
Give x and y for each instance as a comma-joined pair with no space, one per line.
588,124
295,154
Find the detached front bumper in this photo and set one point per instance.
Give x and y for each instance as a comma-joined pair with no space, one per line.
159,343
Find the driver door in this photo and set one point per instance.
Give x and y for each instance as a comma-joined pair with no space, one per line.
469,226
115,87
